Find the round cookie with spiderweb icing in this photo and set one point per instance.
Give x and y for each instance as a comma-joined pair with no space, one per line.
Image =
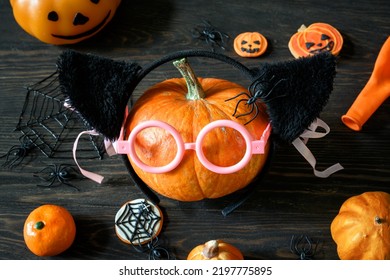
138,222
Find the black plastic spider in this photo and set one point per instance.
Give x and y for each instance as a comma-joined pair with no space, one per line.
211,35
17,153
255,92
157,252
153,249
61,173
303,246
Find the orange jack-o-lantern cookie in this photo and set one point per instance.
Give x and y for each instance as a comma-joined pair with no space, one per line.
250,44
138,222
316,38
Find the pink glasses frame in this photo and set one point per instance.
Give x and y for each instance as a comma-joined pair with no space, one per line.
252,146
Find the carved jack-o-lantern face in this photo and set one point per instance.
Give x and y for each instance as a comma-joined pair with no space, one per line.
323,43
250,44
316,38
63,21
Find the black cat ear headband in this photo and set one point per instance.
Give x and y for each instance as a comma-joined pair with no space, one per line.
294,92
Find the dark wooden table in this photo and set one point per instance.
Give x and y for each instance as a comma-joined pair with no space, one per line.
288,201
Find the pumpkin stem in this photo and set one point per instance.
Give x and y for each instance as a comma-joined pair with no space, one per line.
195,90
302,28
210,249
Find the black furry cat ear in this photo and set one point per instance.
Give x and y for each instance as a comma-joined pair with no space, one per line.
98,88
295,92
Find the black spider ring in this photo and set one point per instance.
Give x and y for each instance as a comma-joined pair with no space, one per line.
303,246
57,173
210,35
255,93
17,153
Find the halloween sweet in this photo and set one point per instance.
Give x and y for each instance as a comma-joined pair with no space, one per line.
250,44
361,229
49,230
138,222
61,22
317,37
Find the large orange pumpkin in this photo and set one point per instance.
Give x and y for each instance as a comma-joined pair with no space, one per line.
188,110
361,229
62,22
317,37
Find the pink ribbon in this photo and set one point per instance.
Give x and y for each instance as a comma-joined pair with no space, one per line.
93,176
110,149
300,145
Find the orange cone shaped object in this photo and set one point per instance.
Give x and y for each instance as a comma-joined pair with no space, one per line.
375,92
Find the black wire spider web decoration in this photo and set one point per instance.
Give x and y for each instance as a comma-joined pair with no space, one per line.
52,126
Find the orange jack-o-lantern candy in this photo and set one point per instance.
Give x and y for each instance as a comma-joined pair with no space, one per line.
61,22
316,38
250,44
49,230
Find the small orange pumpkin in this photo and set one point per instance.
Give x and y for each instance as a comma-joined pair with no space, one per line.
315,38
62,22
188,105
215,250
361,229
49,230
250,44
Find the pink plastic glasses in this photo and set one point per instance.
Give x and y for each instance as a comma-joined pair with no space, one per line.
252,146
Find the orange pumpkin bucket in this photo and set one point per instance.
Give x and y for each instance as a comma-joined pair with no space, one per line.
375,92
61,22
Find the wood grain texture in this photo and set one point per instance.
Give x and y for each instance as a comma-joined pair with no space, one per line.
288,201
